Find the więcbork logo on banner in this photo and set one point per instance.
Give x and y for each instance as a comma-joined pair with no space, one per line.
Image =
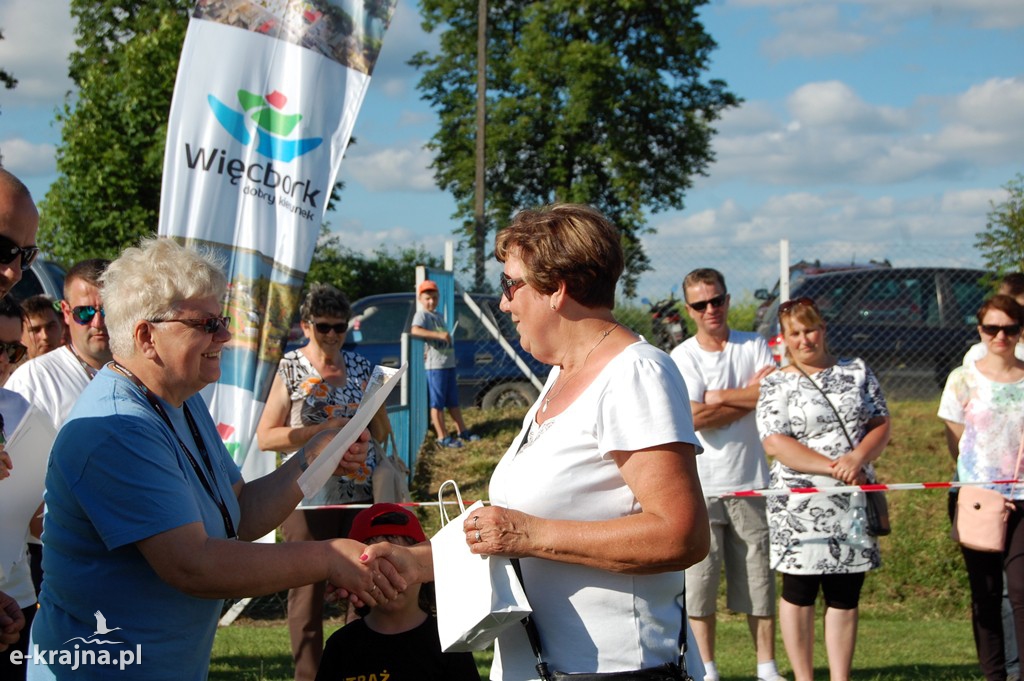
261,119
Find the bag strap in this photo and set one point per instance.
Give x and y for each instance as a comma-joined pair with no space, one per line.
445,519
828,401
533,633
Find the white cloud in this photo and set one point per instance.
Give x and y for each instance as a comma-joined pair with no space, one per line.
358,237
832,227
833,103
27,160
38,36
390,168
813,31
834,136
987,14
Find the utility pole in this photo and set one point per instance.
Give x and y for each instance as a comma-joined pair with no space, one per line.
480,222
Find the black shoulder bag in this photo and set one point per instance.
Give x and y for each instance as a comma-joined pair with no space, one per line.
877,507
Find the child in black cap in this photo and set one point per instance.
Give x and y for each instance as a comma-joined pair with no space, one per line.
398,639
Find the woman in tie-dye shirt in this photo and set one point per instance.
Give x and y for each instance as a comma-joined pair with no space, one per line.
983,407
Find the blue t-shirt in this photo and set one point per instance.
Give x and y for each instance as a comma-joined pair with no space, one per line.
117,475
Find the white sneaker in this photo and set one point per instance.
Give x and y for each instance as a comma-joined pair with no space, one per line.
777,677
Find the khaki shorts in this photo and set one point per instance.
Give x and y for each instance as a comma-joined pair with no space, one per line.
739,538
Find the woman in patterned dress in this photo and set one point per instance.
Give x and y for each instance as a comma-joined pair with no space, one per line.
983,407
317,387
819,541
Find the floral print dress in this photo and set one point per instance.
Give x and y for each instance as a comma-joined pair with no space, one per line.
314,401
812,534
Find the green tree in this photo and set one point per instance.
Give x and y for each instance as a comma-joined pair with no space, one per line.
6,79
592,101
358,275
110,161
1002,242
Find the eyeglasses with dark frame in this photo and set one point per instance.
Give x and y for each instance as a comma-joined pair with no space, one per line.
717,301
787,306
83,314
207,324
10,250
325,328
993,329
509,286
15,351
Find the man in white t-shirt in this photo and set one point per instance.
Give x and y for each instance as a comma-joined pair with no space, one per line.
19,222
53,382
723,369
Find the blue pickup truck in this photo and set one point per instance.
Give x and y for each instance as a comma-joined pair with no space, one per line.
487,375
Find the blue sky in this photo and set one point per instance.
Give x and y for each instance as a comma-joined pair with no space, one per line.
863,121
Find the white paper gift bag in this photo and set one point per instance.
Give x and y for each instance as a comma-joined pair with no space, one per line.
477,596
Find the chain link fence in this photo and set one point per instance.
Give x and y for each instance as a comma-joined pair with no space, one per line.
912,326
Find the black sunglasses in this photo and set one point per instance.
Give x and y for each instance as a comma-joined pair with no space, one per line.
509,286
10,250
325,328
207,324
15,351
994,329
83,314
717,301
787,306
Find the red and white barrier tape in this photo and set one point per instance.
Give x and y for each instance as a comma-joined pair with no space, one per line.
849,489
780,492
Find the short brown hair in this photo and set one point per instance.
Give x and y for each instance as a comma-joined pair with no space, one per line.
569,243
1012,284
90,271
704,275
1003,303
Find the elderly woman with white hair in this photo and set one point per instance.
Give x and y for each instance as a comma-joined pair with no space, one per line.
149,522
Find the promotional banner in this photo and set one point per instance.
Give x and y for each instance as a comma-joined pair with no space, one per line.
265,100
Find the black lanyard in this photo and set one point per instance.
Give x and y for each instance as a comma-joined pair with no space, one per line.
229,525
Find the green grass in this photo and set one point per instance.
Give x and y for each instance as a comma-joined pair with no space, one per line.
914,611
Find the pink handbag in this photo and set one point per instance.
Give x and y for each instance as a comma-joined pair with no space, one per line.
982,514
980,520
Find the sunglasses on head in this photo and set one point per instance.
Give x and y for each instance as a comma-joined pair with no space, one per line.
10,250
325,328
83,314
15,351
786,307
717,301
207,324
994,329
509,286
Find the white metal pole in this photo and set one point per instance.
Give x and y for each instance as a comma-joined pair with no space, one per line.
783,270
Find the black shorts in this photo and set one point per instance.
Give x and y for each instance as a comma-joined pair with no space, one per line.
841,592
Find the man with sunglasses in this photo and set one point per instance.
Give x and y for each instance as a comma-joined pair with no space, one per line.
11,350
53,382
723,370
19,221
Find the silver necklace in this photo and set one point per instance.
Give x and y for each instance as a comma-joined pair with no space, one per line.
604,334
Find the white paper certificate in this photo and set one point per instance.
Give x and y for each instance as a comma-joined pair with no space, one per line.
380,385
